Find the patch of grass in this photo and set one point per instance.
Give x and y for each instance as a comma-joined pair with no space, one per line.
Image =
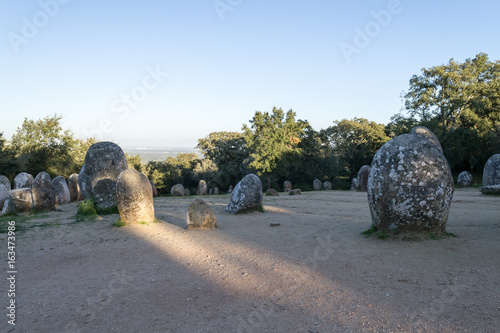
86,209
374,232
119,223
107,211
441,235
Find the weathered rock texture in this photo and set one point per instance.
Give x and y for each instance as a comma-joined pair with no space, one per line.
363,175
4,189
272,192
246,195
200,216
410,187
105,195
491,189
178,190
317,184
428,134
216,191
134,196
61,190
464,179
104,160
153,188
74,188
23,180
354,183
20,200
202,187
491,171
43,192
287,186
327,186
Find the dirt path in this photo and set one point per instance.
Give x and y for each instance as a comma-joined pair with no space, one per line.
313,273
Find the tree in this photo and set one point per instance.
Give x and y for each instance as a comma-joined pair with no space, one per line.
273,141
355,142
228,151
456,101
8,165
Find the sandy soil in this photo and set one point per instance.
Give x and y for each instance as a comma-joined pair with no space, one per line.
313,273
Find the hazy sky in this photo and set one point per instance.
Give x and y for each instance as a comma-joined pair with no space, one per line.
165,73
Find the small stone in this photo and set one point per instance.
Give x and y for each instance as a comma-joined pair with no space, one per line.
5,188
73,187
246,195
295,191
272,192
464,179
23,180
43,192
491,171
287,186
19,200
327,186
491,189
153,188
61,190
317,184
200,216
202,187
178,190
363,175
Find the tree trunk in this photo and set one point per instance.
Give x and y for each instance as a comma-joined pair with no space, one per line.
268,181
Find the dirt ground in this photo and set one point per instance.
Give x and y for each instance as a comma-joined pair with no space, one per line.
313,273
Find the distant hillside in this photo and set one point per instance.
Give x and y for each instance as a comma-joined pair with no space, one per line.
158,153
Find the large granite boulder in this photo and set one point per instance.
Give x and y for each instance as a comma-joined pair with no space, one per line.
491,171
317,184
410,187
287,186
202,187
4,189
246,196
43,192
20,200
104,160
363,175
74,189
105,195
428,134
23,180
61,190
200,216
178,190
464,179
153,188
134,196
327,186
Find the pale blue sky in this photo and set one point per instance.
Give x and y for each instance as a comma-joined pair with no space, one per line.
85,57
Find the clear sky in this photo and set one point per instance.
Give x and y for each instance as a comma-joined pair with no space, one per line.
165,73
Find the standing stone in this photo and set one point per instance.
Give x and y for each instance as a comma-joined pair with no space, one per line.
272,192
363,174
287,186
490,189
246,195
105,195
327,186
104,160
230,189
410,187
188,193
317,184
23,180
4,189
464,179
178,190
354,184
153,188
491,171
43,192
82,183
211,191
216,191
20,200
61,190
74,188
134,197
424,132
202,187
200,216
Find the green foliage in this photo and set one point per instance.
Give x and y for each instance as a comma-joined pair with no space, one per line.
86,208
354,143
460,103
107,211
374,232
273,141
119,223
